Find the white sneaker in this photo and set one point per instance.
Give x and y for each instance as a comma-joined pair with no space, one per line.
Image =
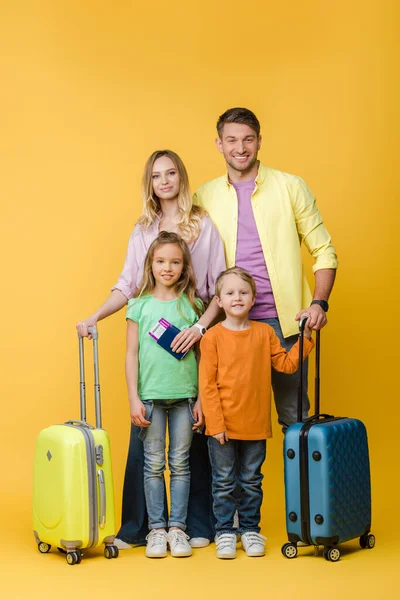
156,544
199,542
121,545
179,544
226,545
253,543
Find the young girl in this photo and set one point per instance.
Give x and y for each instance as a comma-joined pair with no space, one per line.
162,388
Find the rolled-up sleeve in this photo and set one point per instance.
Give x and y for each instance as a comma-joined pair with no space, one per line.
127,281
311,228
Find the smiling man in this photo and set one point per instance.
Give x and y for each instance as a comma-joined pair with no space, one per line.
263,216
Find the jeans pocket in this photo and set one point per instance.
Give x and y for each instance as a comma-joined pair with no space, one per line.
149,413
193,420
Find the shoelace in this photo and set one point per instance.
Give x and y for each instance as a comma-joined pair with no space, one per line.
156,537
253,537
226,540
177,537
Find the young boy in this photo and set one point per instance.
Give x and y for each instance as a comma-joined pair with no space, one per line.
235,391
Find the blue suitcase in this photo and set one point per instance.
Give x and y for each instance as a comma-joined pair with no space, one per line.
327,478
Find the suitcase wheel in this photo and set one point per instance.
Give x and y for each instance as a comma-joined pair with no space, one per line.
74,558
43,547
289,550
111,552
332,554
367,541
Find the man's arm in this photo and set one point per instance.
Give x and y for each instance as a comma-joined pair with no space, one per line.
324,280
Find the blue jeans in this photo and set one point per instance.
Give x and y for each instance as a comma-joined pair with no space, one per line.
285,386
178,416
237,464
200,518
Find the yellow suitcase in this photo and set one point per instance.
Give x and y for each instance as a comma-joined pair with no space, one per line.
73,492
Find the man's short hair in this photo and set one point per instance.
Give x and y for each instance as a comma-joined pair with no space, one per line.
244,116
240,273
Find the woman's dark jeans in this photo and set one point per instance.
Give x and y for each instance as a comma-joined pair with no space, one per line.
200,519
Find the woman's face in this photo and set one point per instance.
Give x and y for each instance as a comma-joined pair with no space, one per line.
165,179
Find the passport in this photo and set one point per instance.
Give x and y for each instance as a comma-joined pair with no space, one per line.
163,333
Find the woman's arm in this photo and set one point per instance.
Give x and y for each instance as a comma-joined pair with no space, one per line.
115,301
187,337
138,410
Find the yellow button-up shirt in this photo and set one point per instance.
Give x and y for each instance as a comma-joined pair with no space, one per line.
286,215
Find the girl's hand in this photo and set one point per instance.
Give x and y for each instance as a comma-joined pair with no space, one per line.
138,413
185,339
221,437
82,326
198,414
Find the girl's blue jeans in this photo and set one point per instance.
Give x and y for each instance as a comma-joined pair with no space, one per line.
178,416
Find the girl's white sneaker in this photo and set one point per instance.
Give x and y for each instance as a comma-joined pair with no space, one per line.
253,543
156,544
178,543
199,542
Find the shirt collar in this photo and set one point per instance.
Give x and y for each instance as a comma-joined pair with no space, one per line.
259,179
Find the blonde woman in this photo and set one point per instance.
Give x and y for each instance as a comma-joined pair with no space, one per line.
168,207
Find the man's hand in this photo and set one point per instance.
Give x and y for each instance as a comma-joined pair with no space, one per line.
317,316
198,415
185,339
221,437
138,413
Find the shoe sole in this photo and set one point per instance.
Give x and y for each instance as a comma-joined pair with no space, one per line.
186,555
226,557
156,555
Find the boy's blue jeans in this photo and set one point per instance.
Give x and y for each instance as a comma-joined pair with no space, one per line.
237,464
178,416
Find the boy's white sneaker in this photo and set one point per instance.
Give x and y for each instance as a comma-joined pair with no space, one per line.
226,545
253,543
199,542
178,543
156,544
121,545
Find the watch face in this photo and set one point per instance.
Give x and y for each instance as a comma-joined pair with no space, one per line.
323,304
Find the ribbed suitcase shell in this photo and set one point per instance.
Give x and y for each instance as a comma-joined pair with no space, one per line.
68,505
337,502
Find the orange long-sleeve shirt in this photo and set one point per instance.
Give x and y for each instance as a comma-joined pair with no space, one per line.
235,378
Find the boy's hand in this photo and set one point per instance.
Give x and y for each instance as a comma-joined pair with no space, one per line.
138,413
198,415
304,314
221,437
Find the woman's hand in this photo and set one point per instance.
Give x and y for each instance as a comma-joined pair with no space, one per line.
82,326
221,437
198,414
186,339
138,413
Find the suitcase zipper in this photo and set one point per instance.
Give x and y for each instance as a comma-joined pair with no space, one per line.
92,483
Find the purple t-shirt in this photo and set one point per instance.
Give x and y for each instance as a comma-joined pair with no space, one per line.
249,253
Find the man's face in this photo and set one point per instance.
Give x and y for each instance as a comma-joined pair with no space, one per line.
239,145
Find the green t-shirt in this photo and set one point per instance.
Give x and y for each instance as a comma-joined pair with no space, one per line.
161,376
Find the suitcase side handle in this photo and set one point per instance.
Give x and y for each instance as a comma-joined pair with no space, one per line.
302,326
82,386
103,503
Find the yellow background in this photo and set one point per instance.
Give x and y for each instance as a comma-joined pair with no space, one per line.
89,89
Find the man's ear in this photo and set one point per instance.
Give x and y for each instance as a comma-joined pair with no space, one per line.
259,141
218,143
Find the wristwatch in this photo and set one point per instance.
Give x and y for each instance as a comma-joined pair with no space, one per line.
323,304
200,328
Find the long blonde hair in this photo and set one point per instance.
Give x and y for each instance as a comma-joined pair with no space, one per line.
189,224
186,284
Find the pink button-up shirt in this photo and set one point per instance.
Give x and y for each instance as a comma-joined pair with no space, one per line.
207,253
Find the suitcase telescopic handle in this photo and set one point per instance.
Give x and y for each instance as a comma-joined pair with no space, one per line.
302,326
82,386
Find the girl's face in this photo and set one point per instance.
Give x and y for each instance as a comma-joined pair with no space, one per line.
167,265
165,178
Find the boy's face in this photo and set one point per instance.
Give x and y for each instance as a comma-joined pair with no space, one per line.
236,297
